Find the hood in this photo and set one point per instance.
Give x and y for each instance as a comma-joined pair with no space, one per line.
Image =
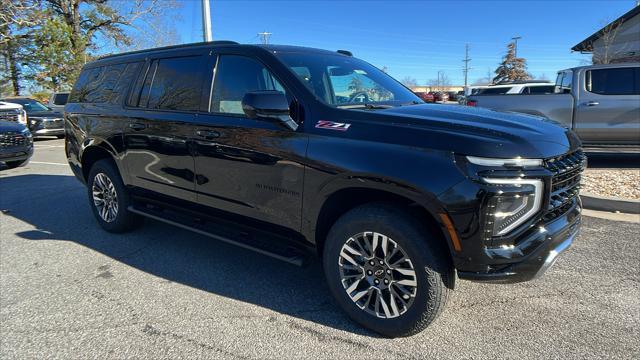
45,114
483,132
9,106
10,126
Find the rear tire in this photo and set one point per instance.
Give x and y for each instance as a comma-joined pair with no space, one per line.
418,253
109,198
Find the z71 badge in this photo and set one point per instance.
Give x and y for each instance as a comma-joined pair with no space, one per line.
330,125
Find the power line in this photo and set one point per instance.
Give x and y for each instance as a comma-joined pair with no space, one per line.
265,37
466,64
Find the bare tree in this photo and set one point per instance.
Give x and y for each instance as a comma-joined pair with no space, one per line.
408,81
608,50
441,82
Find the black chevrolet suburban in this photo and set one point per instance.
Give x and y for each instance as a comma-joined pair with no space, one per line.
294,151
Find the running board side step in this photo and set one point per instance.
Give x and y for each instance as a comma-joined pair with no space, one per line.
284,254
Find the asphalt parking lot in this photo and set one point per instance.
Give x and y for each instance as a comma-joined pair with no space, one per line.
71,290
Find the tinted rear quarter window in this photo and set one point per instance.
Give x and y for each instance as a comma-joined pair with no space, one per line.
105,84
620,81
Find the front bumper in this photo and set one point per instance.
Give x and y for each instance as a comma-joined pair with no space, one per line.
16,153
48,132
535,253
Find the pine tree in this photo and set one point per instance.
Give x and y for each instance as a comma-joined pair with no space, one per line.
511,68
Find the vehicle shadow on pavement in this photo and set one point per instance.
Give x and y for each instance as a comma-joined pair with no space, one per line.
57,207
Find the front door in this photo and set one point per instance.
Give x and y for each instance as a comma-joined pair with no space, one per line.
244,166
608,112
158,151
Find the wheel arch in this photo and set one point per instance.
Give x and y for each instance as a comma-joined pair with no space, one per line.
341,201
95,150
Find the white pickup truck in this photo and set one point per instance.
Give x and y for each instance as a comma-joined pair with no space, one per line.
600,102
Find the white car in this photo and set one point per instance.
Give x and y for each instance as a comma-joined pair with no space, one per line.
524,87
13,112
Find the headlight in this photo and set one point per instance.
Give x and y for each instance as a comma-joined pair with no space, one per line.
26,133
22,117
516,201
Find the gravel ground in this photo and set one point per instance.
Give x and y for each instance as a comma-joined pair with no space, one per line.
622,183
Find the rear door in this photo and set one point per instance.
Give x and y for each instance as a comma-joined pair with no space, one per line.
243,166
608,108
161,110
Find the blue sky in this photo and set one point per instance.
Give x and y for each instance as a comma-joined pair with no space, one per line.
416,38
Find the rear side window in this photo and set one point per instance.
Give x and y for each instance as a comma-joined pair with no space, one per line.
60,99
621,81
494,91
173,84
236,76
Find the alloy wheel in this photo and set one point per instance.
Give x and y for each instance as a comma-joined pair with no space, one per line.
377,274
105,197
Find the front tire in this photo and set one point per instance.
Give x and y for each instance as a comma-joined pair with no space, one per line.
109,198
387,271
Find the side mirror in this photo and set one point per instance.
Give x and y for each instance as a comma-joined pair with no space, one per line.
268,105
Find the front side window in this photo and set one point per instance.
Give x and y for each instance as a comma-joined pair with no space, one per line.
612,81
343,81
236,76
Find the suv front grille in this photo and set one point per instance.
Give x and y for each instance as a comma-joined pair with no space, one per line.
9,116
565,183
12,139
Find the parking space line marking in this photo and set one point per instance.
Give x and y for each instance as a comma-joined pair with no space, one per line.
47,163
48,146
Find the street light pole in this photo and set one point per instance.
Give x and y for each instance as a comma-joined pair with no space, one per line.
515,40
206,21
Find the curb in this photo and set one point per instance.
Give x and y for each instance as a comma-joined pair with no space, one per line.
610,204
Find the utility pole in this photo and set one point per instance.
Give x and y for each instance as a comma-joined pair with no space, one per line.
265,37
466,64
489,76
206,21
515,47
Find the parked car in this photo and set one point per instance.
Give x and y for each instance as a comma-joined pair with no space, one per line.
395,196
440,96
426,97
519,87
16,143
41,120
58,100
600,102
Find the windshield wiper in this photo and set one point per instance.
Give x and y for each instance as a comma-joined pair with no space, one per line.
366,106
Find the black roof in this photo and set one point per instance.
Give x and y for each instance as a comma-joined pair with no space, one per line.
587,44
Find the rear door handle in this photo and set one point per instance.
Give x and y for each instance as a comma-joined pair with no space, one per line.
137,126
592,103
208,134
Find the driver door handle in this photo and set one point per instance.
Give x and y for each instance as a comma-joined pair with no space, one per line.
208,134
592,103
137,126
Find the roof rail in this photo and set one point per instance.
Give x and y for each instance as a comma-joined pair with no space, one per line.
218,42
345,52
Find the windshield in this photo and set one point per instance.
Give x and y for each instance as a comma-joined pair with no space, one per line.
344,81
29,105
